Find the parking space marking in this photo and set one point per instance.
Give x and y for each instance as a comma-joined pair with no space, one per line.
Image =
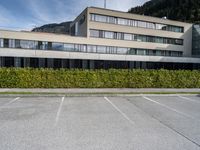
121,112
58,112
189,99
163,105
12,101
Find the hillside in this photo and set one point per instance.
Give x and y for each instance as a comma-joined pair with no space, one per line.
181,10
62,28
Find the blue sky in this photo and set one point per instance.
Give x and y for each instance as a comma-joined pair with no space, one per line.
27,14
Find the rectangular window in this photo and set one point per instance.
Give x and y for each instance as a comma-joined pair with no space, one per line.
142,24
141,38
94,33
179,41
91,48
161,27
175,54
150,39
41,45
150,52
69,47
120,36
141,52
74,47
132,51
111,50
112,20
158,53
128,37
159,40
151,25
1,42
101,49
109,35
122,50
6,43
27,44
83,48
58,46
123,21
100,18
92,17
11,43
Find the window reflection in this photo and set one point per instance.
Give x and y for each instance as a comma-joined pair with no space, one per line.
135,23
43,45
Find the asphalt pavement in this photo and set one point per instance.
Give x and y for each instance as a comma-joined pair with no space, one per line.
145,122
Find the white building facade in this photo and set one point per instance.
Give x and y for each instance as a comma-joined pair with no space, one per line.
102,39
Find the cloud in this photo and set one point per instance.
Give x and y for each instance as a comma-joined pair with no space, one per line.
39,12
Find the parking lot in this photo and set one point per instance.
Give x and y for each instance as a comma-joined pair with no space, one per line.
143,122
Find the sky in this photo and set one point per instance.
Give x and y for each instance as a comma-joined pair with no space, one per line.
27,14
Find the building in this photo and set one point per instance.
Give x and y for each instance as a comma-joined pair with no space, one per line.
196,41
102,38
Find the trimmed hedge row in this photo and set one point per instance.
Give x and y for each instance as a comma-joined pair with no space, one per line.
113,78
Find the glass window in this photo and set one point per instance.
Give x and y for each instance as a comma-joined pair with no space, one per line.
27,44
178,41
142,24
150,52
69,47
120,36
83,48
75,47
161,27
175,54
158,53
150,39
92,17
112,20
111,50
132,51
1,42
58,46
162,53
127,36
151,25
122,50
94,33
158,39
100,18
141,38
11,43
41,45
141,52
101,49
91,48
109,35
123,21
6,43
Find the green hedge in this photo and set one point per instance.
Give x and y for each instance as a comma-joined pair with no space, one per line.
66,78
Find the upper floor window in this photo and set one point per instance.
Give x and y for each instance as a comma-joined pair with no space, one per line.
135,23
1,42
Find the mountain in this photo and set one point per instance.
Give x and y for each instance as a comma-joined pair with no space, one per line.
181,10
62,28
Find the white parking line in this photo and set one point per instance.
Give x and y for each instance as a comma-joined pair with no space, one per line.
189,99
122,113
59,110
179,112
12,101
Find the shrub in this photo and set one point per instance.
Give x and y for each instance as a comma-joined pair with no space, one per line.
112,78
